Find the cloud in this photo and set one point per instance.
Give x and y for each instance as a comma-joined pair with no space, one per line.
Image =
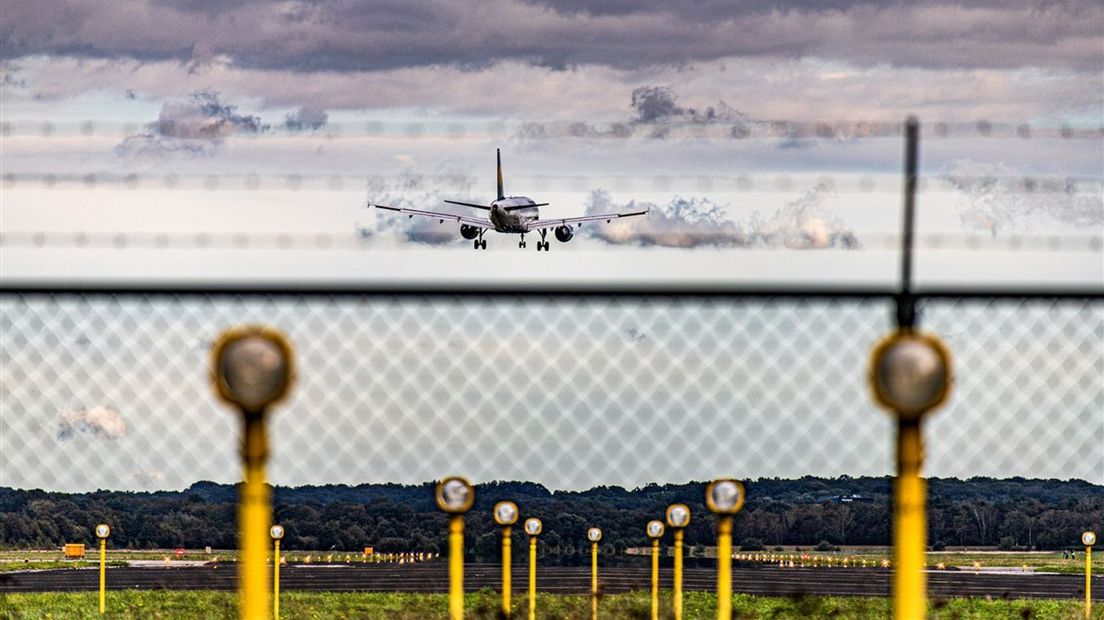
698,222
994,199
306,118
100,422
659,103
415,191
195,126
341,36
150,477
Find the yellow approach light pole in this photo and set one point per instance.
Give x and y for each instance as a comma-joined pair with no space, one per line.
910,374
678,517
506,515
655,532
455,495
252,367
594,535
102,532
1088,539
724,497
533,529
277,532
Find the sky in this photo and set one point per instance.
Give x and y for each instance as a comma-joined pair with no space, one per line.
242,142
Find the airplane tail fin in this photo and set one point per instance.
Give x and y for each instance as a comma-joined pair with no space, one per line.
501,194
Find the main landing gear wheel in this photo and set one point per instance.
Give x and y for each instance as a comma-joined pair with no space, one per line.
543,245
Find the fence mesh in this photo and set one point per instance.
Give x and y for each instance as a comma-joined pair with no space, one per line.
111,391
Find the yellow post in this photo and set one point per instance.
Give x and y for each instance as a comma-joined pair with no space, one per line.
506,577
255,517
655,579
910,525
276,579
594,581
678,573
103,575
724,567
532,577
1088,582
456,566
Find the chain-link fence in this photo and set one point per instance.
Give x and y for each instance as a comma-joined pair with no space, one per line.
111,391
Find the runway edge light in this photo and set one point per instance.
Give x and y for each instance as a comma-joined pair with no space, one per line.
455,496
724,497
506,515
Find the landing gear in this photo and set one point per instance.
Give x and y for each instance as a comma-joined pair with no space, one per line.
542,244
521,244
480,243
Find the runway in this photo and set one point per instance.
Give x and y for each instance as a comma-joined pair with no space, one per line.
433,577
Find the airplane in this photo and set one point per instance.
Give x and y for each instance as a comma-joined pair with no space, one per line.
516,215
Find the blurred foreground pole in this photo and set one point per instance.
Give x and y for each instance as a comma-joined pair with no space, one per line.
909,374
252,368
455,496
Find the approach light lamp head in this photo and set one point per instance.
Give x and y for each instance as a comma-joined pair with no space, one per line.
505,513
724,496
533,526
655,529
103,530
1088,539
277,532
678,516
594,534
455,495
910,373
252,367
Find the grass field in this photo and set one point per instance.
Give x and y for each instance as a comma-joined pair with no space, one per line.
179,604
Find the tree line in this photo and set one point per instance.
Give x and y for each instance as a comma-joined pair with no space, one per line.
1013,513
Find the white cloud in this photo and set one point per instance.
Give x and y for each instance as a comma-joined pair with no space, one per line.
99,422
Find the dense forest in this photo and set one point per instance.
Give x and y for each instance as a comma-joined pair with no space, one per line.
1009,513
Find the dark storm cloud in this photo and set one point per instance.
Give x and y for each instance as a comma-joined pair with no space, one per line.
340,35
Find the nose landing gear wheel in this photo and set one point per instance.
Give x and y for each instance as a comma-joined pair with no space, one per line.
480,244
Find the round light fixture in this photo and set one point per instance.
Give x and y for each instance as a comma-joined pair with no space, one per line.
533,526
103,530
594,534
910,373
505,513
277,532
252,367
655,529
678,515
724,496
455,495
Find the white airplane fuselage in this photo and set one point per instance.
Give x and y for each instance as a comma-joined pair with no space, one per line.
514,220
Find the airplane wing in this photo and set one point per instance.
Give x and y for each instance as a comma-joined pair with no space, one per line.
549,223
443,217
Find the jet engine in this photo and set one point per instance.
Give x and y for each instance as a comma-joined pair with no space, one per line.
469,232
564,234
